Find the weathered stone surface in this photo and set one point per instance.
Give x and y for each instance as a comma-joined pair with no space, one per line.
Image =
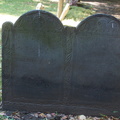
49,67
96,63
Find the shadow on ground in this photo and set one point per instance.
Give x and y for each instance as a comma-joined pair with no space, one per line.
111,7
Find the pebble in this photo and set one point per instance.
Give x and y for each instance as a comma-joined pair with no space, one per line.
95,118
53,114
64,117
42,115
71,118
48,116
81,117
2,113
35,115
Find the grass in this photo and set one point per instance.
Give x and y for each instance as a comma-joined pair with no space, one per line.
18,7
79,13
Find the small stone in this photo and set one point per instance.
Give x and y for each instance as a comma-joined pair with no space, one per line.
48,116
53,114
2,113
71,118
6,119
96,118
34,115
81,117
42,115
64,117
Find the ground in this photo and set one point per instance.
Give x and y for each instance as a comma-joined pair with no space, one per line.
100,6
106,6
16,115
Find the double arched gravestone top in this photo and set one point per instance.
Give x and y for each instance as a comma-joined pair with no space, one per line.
49,67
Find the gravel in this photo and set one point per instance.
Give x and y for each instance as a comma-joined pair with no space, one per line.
16,115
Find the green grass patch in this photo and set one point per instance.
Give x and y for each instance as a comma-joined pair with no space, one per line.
19,7
79,13
16,7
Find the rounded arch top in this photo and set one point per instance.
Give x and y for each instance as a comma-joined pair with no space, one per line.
38,19
99,23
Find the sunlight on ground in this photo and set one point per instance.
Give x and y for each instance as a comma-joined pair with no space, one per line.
95,3
11,18
106,8
70,22
4,18
117,16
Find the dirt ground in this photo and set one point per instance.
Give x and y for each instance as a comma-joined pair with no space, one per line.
111,7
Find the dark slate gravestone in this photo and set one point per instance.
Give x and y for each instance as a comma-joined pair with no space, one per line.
49,67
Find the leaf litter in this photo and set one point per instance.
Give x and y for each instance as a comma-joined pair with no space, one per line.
16,115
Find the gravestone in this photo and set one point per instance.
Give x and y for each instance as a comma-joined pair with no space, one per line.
49,67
